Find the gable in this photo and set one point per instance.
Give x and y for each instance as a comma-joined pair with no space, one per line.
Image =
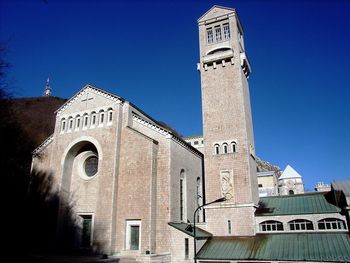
216,11
89,97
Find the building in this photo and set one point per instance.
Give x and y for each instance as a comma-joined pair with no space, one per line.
267,183
134,185
290,182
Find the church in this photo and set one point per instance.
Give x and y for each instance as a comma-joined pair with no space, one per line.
137,189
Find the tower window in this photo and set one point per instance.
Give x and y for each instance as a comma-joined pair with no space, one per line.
217,148
226,31
218,34
234,148
224,146
210,38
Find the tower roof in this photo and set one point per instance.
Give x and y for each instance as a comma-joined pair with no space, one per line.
216,11
289,172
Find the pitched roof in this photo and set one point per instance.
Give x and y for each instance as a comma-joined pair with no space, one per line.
319,247
289,172
224,11
342,185
311,203
89,88
188,229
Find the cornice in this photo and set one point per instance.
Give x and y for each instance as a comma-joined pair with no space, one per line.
166,133
43,145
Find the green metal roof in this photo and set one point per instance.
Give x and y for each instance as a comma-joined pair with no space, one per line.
188,229
319,247
312,203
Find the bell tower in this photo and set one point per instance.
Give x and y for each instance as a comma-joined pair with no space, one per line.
229,156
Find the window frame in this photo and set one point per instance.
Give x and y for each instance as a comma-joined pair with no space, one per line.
129,224
300,225
330,222
271,226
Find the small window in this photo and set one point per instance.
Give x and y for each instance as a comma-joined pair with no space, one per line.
182,195
91,166
226,31
300,225
260,185
77,122
181,199
186,248
110,116
93,119
86,120
195,143
102,116
234,147
271,225
331,224
210,38
70,123
63,125
218,34
291,192
224,146
217,148
229,227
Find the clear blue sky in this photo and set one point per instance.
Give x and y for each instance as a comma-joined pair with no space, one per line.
146,52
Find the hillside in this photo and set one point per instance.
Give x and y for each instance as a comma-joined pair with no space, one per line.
36,116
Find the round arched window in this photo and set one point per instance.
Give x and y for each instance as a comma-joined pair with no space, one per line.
91,166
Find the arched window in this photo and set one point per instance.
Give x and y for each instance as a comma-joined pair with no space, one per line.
271,225
70,123
86,120
217,148
224,148
93,118
102,117
331,223
110,115
291,192
300,224
233,147
182,195
63,125
77,122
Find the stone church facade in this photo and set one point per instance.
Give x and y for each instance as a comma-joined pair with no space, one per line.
134,184
123,171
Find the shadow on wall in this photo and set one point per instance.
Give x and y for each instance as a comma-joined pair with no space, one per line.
30,202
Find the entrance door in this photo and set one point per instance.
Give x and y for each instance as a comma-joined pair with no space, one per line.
86,227
134,237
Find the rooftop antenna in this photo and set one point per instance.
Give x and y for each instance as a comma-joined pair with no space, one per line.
47,90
